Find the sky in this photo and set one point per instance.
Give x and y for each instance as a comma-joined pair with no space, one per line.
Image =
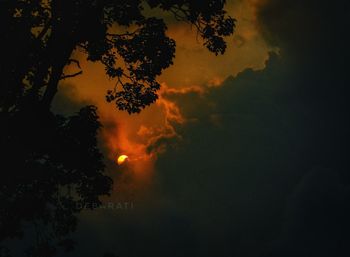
244,154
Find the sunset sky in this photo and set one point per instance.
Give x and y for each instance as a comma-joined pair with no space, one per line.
230,158
195,69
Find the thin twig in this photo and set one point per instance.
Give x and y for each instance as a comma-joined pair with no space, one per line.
71,75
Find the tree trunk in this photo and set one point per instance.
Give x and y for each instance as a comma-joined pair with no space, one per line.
56,73
63,42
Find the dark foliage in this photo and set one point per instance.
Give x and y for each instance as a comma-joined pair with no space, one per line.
133,48
50,165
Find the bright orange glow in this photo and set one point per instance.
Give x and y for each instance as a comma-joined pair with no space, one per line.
122,159
144,136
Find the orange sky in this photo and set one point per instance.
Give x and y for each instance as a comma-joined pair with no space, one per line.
195,68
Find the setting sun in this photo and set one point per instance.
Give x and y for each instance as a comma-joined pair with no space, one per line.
121,159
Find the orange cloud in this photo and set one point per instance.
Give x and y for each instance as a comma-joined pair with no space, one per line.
143,136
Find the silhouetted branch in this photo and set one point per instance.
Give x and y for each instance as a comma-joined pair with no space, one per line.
71,75
123,34
74,61
44,30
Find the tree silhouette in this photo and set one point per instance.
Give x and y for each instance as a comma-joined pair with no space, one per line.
50,167
50,164
134,48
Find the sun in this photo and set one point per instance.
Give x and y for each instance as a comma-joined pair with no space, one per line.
121,159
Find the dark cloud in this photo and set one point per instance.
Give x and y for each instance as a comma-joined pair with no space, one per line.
240,157
317,214
243,168
313,36
305,26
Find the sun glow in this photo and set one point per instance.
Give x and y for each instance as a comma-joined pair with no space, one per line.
121,159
